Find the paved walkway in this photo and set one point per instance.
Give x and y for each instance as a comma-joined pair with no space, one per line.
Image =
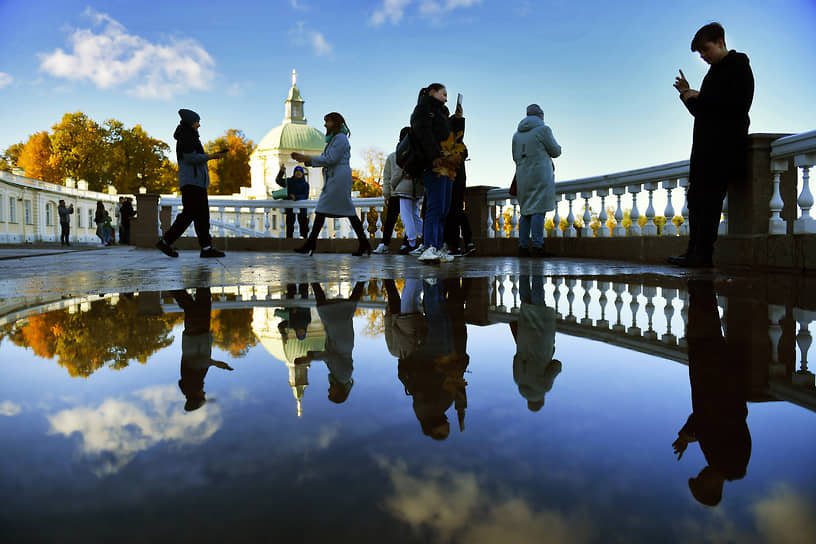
77,271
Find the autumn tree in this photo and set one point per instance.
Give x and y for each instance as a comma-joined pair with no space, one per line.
232,331
230,173
36,160
373,164
78,149
133,159
8,159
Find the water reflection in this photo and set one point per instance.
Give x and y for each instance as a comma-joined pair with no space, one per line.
719,391
196,346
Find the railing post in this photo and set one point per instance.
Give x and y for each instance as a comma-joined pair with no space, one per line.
570,231
478,211
669,228
603,229
619,229
514,219
650,229
634,214
586,230
557,218
146,223
805,223
777,225
684,211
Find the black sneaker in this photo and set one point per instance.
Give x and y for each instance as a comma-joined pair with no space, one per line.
470,249
524,252
166,248
212,253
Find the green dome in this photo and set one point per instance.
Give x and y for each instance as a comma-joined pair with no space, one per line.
293,136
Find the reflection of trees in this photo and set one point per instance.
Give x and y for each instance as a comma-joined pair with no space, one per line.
106,334
232,331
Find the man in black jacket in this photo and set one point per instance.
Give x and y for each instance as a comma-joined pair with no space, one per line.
718,151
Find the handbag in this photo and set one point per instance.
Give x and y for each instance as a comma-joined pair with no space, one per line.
282,193
513,187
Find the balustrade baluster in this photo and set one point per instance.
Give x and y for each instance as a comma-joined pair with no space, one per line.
365,221
570,230
281,223
557,232
684,228
252,212
669,228
650,229
603,287
491,293
502,308
603,229
618,289
570,299
586,230
634,214
514,289
378,228
805,223
668,311
557,295
266,225
514,219
500,220
634,305
776,225
491,221
619,229
650,292
722,228
803,377
775,315
586,299
221,230
683,296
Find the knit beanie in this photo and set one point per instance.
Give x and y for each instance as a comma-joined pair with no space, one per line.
188,117
535,109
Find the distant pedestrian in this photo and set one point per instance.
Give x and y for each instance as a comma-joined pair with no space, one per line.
193,179
127,213
433,127
64,213
719,145
534,147
335,198
297,189
117,214
401,193
100,217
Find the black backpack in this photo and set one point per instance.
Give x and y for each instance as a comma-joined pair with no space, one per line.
409,157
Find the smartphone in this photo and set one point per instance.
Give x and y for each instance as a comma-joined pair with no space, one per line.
459,99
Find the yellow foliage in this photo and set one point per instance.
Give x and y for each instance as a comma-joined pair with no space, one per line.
453,153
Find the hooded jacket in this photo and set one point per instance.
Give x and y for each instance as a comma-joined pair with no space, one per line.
431,124
534,146
192,161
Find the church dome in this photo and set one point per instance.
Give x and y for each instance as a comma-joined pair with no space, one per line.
293,136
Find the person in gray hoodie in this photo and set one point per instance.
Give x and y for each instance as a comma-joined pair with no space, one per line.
534,147
193,178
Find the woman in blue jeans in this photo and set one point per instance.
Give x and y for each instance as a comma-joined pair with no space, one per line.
432,124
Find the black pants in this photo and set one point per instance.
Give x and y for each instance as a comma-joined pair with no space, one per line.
391,215
705,208
196,210
124,232
457,218
356,224
303,222
65,230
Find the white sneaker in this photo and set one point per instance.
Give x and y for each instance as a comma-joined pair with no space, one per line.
430,255
418,251
430,281
445,257
382,248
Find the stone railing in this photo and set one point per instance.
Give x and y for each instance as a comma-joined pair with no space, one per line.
801,149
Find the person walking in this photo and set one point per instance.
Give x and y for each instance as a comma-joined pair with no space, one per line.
432,127
402,194
100,217
193,179
335,197
64,213
534,147
719,143
127,213
298,189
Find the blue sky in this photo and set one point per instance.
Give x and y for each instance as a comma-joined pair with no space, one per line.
602,71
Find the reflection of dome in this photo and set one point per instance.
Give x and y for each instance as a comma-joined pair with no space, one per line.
265,327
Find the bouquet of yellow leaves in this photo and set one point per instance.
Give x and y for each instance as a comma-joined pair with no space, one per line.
453,154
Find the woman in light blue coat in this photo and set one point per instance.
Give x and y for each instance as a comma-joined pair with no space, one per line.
534,147
335,199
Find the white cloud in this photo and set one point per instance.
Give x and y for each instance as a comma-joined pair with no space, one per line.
785,516
392,11
456,507
5,79
319,44
8,408
302,35
110,57
296,4
114,432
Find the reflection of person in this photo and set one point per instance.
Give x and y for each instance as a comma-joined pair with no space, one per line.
64,213
337,318
534,369
298,189
294,318
434,374
335,198
405,326
196,345
534,147
193,179
718,396
719,145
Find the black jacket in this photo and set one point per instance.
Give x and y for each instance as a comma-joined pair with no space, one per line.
718,151
431,124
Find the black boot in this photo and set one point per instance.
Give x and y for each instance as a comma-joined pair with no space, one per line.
308,247
363,249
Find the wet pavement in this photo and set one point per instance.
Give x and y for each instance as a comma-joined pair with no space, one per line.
268,396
